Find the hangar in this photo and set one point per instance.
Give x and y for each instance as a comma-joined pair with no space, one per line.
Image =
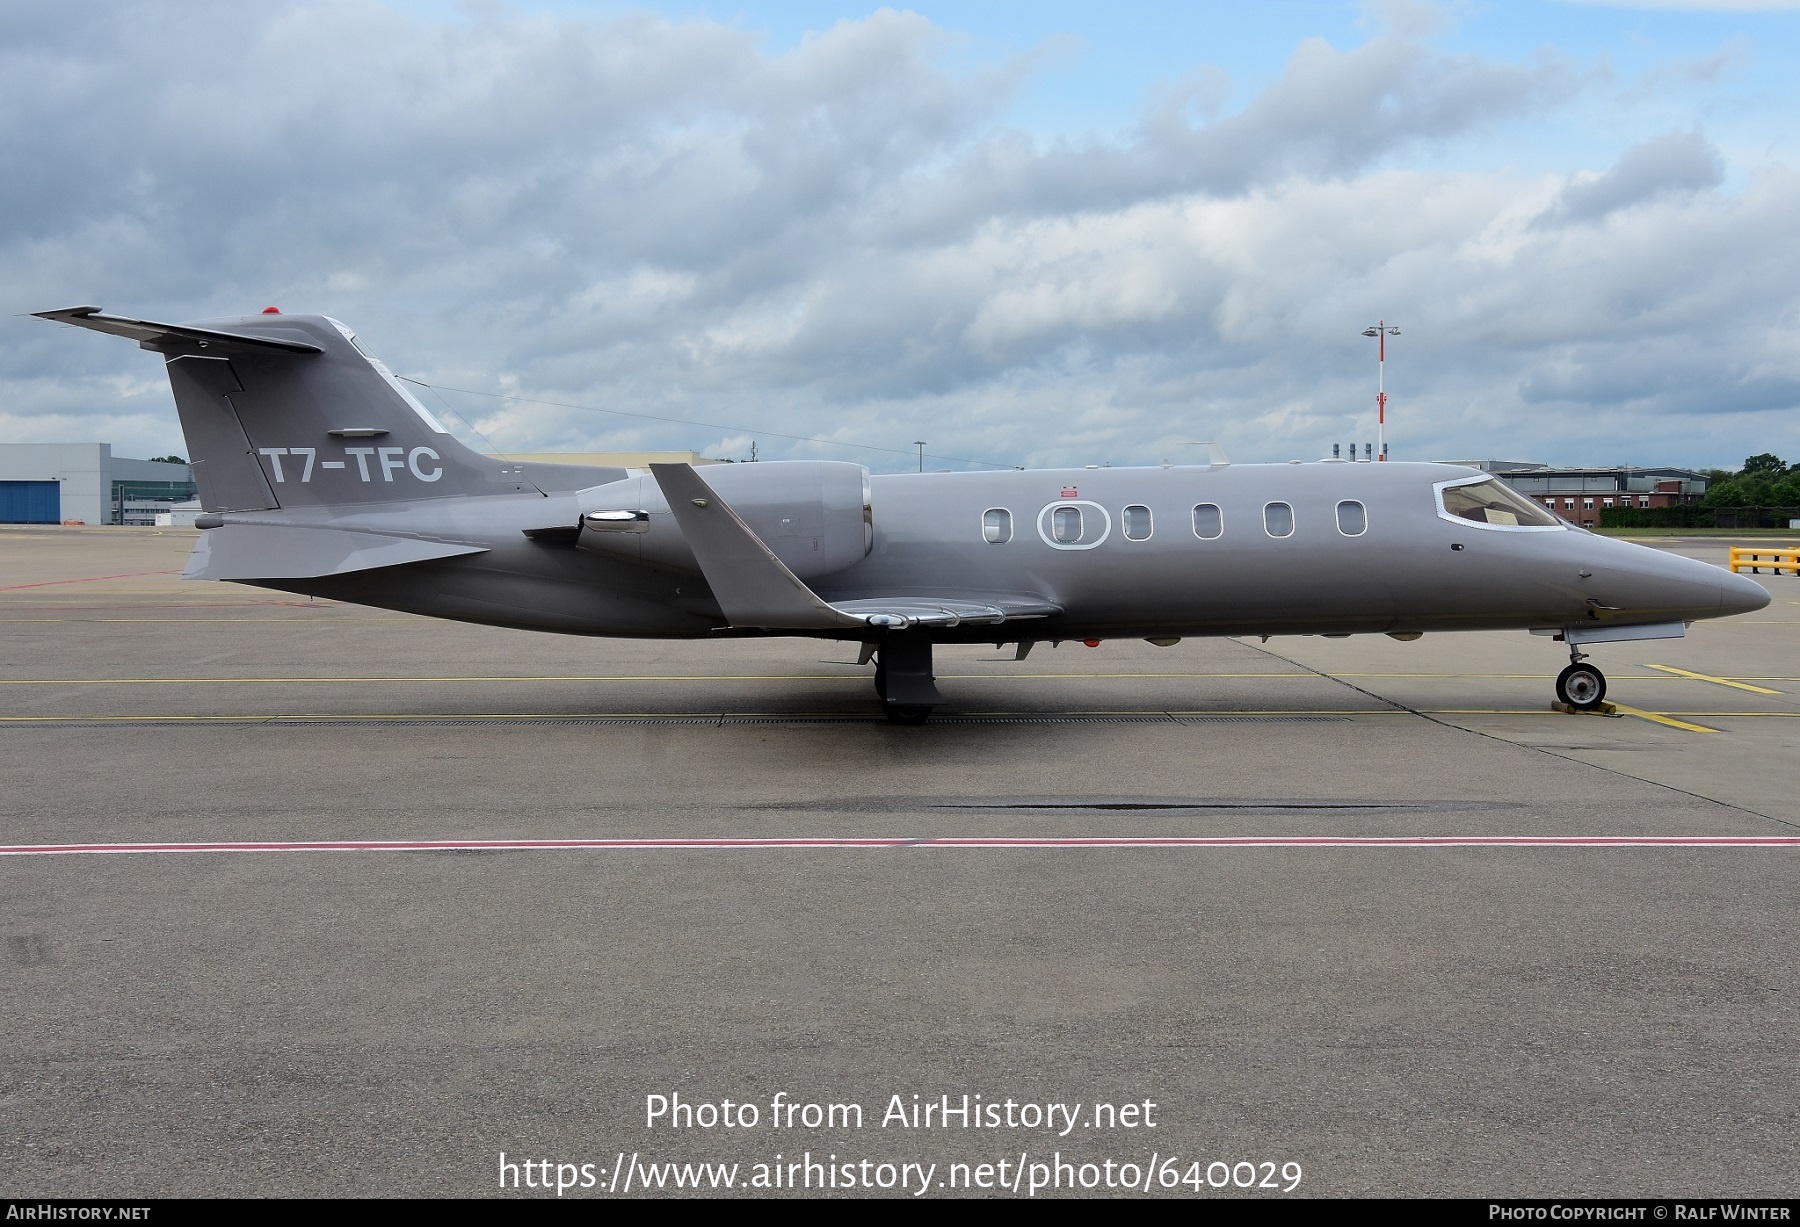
54,483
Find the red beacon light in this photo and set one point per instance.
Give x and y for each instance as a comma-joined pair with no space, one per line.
271,310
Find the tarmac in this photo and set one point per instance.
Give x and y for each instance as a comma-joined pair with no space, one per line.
433,898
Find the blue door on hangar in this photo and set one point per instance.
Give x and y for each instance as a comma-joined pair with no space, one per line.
30,502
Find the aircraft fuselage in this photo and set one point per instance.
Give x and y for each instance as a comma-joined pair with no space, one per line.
1410,569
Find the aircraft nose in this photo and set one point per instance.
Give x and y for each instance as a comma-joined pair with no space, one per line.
1740,594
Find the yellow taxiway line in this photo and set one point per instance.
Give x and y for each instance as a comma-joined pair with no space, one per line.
1707,677
1659,718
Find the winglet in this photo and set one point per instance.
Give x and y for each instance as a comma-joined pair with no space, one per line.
752,585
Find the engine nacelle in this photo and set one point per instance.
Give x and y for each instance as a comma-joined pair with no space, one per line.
814,514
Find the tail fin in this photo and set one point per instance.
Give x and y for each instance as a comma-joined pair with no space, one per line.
288,411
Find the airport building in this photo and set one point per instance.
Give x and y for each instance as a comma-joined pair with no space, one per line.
1580,494
57,483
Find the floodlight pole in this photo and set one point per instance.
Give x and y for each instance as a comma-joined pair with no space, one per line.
920,444
1381,332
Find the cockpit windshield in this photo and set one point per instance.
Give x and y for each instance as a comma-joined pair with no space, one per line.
1492,501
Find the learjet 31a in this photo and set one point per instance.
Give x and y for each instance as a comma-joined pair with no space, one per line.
319,473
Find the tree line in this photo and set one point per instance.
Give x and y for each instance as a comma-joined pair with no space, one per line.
1765,480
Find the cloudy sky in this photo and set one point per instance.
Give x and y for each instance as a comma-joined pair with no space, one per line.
1029,233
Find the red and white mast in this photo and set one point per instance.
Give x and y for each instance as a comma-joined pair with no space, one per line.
1381,332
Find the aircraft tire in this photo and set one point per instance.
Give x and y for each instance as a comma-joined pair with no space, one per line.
1581,686
903,713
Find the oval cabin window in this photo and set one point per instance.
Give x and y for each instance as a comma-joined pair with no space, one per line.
1353,518
1137,523
1065,525
1278,519
996,525
1209,521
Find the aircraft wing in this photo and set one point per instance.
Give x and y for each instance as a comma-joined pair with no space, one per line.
273,551
756,589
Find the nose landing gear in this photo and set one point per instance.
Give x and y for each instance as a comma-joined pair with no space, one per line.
1581,685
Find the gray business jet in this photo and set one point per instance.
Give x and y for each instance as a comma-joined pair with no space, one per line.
319,473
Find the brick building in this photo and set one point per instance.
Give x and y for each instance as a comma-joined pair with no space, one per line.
1580,494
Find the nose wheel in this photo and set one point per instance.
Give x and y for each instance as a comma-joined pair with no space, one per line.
1581,686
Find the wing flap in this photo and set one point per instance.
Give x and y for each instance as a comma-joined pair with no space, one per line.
266,551
904,611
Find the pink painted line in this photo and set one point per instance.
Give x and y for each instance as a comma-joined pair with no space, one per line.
89,579
949,842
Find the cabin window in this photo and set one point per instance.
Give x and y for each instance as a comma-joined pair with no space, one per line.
1137,523
1495,504
1353,518
996,525
1074,526
1278,519
1209,521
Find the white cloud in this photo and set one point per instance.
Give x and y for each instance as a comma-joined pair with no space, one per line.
843,242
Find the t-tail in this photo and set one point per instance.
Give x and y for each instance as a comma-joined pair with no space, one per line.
288,411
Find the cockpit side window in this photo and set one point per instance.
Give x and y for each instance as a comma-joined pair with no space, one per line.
1492,502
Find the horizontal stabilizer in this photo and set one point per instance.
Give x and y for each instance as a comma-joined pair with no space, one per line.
273,551
149,331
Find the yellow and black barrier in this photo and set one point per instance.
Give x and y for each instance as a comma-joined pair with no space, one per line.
1751,557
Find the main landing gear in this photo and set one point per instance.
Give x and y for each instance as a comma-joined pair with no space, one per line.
1581,685
904,680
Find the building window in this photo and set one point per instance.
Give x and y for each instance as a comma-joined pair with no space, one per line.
1137,523
1209,521
1568,504
996,525
1353,518
1643,500
1278,519
1587,504
1606,502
